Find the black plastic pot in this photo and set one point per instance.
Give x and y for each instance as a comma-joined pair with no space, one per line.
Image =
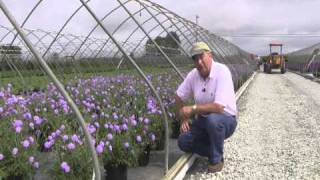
144,157
116,172
15,177
160,142
175,129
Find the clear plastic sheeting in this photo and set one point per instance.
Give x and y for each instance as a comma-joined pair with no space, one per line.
305,60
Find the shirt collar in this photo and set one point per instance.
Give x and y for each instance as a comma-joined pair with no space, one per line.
212,70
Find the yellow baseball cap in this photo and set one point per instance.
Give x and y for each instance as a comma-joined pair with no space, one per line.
199,48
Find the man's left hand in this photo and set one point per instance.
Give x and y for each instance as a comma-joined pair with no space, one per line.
185,112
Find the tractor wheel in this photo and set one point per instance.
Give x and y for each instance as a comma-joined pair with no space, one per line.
265,68
269,68
283,68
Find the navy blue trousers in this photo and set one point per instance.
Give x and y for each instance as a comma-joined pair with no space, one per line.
207,134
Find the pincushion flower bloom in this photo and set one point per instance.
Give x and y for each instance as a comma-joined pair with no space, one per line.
109,136
126,145
146,120
31,140
36,165
17,123
25,143
37,120
106,125
1,157
97,124
27,115
12,100
31,159
18,129
48,144
31,125
133,122
71,146
153,137
58,132
99,148
124,127
15,151
62,127
139,139
65,137
65,167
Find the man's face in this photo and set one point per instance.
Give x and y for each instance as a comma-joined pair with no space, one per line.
203,63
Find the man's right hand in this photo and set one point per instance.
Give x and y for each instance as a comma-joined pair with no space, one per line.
184,126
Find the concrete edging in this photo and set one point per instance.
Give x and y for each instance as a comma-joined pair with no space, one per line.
180,168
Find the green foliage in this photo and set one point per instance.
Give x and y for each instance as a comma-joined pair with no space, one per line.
7,49
170,46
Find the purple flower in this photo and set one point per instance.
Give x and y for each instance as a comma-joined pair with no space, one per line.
12,100
153,137
37,120
62,127
31,140
65,167
74,138
71,146
65,137
1,157
106,125
97,124
140,119
25,143
54,135
94,116
91,129
48,144
99,148
124,127
31,125
117,128
126,145
36,165
18,129
27,115
133,122
109,136
31,159
17,123
110,147
58,132
146,120
50,138
15,151
138,138
115,116
1,110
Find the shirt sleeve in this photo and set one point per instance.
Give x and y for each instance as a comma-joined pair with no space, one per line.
185,89
225,88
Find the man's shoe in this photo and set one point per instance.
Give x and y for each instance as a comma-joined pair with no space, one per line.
213,168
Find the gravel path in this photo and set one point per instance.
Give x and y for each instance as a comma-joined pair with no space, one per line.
278,134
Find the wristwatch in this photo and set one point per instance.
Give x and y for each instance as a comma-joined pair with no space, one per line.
194,108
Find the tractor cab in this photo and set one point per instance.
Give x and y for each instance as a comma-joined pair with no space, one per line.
275,60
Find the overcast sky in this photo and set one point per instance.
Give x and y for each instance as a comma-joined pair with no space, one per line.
234,17
222,17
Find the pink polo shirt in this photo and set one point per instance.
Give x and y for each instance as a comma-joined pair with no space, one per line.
218,88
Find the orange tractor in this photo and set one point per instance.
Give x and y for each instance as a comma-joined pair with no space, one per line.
275,60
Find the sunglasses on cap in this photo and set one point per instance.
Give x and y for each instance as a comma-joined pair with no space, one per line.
197,57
